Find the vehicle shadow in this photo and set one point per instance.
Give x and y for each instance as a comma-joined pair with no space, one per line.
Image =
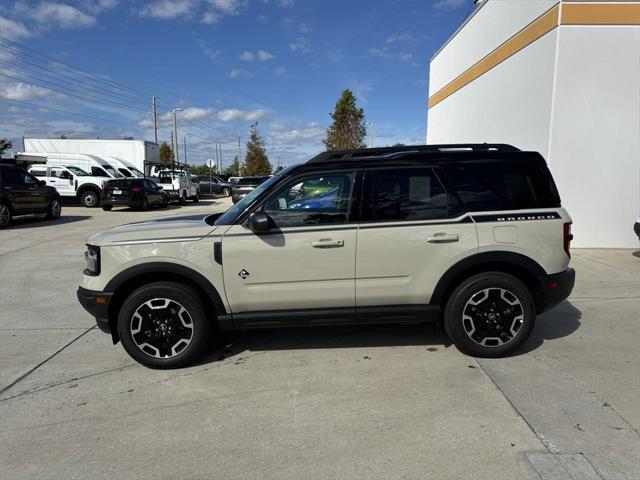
561,321
430,336
35,221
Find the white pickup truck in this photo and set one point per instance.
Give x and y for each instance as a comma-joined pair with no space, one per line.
179,184
71,182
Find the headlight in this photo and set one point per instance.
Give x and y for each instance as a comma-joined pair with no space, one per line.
92,257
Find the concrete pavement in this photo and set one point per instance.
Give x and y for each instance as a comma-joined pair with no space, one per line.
368,402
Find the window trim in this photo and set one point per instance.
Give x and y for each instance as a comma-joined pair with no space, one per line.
354,206
367,190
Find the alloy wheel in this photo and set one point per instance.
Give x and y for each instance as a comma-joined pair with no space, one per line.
55,209
161,328
5,215
493,317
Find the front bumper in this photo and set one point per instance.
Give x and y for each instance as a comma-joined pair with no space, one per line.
97,304
557,287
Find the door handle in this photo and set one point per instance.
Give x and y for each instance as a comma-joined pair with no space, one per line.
443,238
327,243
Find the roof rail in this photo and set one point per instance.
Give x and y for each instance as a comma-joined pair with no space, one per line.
334,155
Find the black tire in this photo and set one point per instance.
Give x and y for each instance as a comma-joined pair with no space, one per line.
90,198
137,314
484,321
145,204
226,192
183,198
196,199
54,209
107,208
5,215
165,202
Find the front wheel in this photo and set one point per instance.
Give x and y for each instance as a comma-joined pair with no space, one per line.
490,315
5,216
89,198
196,199
226,192
165,202
164,325
107,208
145,204
54,210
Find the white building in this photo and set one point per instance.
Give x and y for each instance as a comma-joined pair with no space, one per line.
561,78
137,152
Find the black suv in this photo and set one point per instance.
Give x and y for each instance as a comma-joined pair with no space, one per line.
23,194
214,185
133,192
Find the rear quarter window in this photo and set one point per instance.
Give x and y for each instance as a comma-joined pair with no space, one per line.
503,185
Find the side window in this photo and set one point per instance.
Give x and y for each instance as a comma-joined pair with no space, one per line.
314,200
98,172
125,172
39,173
404,194
59,173
13,177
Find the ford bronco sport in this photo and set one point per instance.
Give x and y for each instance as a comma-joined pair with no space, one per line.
473,235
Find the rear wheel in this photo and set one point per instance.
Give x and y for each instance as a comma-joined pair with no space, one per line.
196,199
165,202
164,325
490,315
5,215
89,198
183,198
145,204
54,210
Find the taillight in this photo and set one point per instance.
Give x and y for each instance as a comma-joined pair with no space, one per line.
566,236
136,188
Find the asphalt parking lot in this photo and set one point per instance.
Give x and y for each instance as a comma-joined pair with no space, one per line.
369,402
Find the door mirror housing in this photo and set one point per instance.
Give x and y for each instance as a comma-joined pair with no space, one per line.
259,222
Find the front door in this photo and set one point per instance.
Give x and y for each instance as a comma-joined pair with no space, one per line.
408,238
62,179
302,271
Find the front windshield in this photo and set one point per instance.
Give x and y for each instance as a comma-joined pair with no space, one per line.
230,215
136,172
113,171
78,171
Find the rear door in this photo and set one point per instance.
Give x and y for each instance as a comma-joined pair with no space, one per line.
407,237
304,267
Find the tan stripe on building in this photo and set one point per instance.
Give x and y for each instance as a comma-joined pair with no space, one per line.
572,14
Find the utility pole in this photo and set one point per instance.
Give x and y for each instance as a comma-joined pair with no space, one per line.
239,159
371,135
220,158
184,139
175,136
154,116
217,160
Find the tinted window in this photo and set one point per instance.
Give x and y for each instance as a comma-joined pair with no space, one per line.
503,185
98,172
11,176
404,194
39,173
125,172
251,180
296,204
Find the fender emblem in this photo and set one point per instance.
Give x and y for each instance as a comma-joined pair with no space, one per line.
243,274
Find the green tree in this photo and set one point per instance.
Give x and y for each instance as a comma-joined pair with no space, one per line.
398,145
348,129
256,161
63,136
278,169
166,154
5,144
233,170
198,169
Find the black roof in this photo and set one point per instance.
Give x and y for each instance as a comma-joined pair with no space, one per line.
445,152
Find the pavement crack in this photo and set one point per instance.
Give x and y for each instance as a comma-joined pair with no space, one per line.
27,373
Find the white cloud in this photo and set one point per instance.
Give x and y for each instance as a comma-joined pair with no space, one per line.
300,45
451,4
13,30
167,9
286,3
210,18
234,114
280,71
399,38
60,15
239,72
282,133
387,55
212,54
261,55
229,7
23,91
196,113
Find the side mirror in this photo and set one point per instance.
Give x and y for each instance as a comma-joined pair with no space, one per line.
259,222
42,183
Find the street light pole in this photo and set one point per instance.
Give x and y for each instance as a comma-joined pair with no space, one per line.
175,135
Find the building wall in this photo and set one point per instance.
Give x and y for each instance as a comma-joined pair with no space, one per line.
573,95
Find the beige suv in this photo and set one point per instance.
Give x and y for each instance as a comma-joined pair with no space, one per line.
471,234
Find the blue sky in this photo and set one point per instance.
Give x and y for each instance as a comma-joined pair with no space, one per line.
226,63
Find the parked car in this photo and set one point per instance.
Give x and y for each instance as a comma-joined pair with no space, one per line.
244,186
71,182
213,185
179,185
233,180
471,235
23,194
133,192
